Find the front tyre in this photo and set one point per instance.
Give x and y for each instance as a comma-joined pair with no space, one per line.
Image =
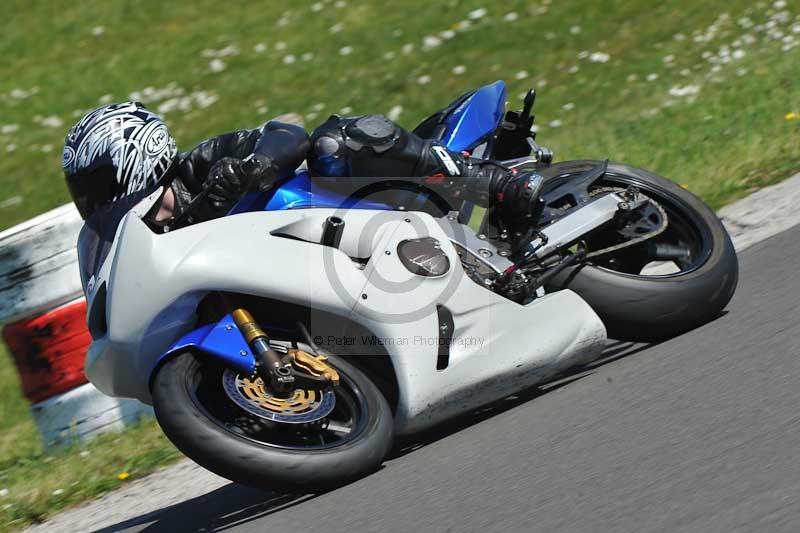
201,419
634,303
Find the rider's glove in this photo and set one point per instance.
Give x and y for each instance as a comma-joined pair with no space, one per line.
228,183
261,172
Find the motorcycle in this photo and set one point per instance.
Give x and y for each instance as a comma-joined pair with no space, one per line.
287,345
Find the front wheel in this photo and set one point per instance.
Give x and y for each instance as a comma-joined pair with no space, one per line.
228,424
661,287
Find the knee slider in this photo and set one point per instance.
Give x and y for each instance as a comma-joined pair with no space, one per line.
371,145
328,154
374,131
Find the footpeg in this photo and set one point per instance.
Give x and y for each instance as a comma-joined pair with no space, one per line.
544,155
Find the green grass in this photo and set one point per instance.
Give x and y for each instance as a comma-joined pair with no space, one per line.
35,485
726,140
728,133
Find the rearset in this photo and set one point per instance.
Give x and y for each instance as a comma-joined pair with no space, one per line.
517,138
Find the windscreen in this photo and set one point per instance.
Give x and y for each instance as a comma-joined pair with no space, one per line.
97,234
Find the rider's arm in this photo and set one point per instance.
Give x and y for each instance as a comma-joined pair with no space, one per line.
240,160
280,148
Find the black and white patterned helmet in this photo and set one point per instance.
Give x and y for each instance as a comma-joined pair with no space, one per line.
116,151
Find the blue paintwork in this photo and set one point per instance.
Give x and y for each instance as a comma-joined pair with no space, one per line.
301,192
222,341
476,119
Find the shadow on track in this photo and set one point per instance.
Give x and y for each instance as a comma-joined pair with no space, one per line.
235,505
221,509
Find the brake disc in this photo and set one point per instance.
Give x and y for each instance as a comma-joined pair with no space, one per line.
300,407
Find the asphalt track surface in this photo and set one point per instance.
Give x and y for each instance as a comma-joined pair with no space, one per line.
700,433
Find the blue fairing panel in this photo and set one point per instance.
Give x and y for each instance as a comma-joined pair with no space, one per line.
222,341
476,119
300,192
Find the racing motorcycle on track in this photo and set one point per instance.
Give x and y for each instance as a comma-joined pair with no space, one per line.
286,345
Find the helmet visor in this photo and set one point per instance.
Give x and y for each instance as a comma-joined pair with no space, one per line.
91,189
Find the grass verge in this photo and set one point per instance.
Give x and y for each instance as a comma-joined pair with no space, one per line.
34,485
705,93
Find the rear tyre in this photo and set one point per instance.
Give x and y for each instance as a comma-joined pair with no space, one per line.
201,420
638,307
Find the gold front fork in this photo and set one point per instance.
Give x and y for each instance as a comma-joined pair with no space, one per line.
275,368
248,325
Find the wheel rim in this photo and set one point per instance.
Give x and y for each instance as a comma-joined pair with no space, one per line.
685,230
344,423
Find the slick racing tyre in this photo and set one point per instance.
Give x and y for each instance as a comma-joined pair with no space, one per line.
263,441
635,301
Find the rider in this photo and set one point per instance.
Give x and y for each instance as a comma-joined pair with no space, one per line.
125,151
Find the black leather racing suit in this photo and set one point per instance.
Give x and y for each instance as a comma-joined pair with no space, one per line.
284,145
365,148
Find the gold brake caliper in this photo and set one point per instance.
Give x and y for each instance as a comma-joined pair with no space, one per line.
314,365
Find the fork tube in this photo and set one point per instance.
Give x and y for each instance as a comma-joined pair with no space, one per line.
280,375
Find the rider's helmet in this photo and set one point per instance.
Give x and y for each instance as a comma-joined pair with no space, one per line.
114,152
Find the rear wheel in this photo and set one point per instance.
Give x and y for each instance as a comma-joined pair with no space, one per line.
661,287
228,424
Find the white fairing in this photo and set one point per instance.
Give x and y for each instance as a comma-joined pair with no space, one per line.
498,347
